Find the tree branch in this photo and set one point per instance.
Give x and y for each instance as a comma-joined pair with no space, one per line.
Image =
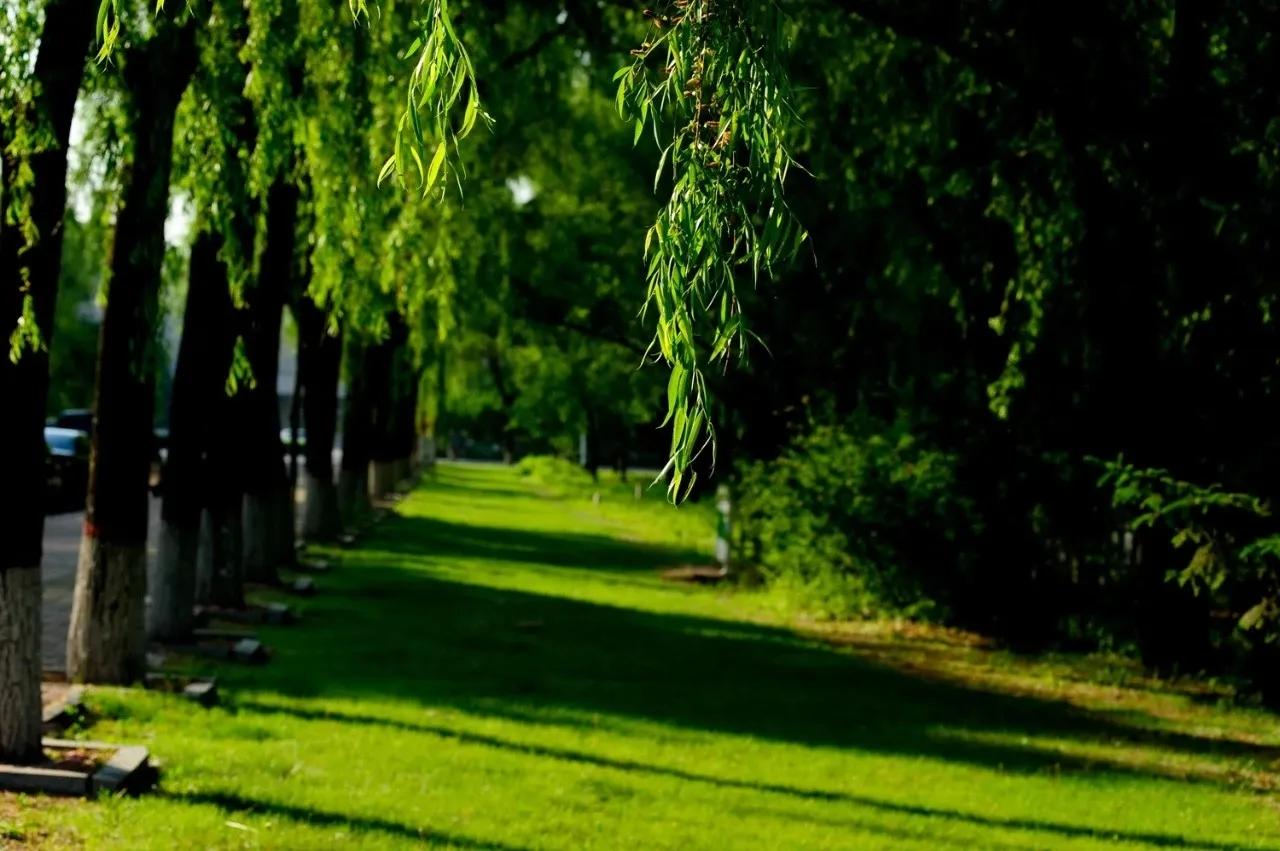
534,47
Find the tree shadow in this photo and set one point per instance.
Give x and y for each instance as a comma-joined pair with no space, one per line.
1160,840
478,648
418,633
448,482
233,803
439,539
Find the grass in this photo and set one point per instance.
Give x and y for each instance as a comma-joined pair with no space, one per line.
498,668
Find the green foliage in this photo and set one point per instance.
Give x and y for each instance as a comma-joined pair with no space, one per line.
240,375
1028,266
441,86
24,134
856,520
719,92
1235,552
76,319
559,475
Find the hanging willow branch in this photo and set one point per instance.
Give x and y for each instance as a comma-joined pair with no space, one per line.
709,84
442,100
441,88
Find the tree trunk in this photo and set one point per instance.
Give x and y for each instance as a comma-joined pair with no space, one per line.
221,530
391,401
199,380
222,538
268,533
59,67
378,388
507,397
353,477
20,663
106,641
404,412
319,365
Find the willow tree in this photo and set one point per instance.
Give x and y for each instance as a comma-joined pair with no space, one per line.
106,638
36,103
203,475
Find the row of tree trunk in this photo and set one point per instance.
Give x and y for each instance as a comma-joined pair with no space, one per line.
227,513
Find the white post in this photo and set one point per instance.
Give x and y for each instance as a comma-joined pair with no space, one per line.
723,508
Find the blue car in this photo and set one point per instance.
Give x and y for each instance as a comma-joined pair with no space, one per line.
66,464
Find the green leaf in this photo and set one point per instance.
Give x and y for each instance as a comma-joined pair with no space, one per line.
437,162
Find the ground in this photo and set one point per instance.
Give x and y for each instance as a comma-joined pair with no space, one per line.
499,667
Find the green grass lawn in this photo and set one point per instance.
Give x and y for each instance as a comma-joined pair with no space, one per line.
499,668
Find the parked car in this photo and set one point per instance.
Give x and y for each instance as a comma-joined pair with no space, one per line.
78,419
66,464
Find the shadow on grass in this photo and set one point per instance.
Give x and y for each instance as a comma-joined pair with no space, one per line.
233,803
410,635
1159,840
397,630
438,539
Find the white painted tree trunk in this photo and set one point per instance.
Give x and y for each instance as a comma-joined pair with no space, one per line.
353,495
283,529
107,639
20,664
224,548
321,519
204,560
171,583
382,479
403,469
259,511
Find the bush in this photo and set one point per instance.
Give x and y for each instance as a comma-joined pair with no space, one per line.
857,520
1229,559
559,475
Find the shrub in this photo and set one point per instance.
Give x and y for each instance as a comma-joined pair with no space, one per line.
1231,560
855,520
559,475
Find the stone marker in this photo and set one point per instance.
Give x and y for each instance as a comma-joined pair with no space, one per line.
221,634
278,614
123,769
60,714
50,781
249,650
203,692
126,769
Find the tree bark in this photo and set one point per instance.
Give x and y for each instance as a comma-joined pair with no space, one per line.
268,531
59,67
404,412
319,365
221,530
20,664
386,385
353,476
204,359
507,397
106,640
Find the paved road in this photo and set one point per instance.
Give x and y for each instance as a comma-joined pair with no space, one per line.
58,570
62,551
